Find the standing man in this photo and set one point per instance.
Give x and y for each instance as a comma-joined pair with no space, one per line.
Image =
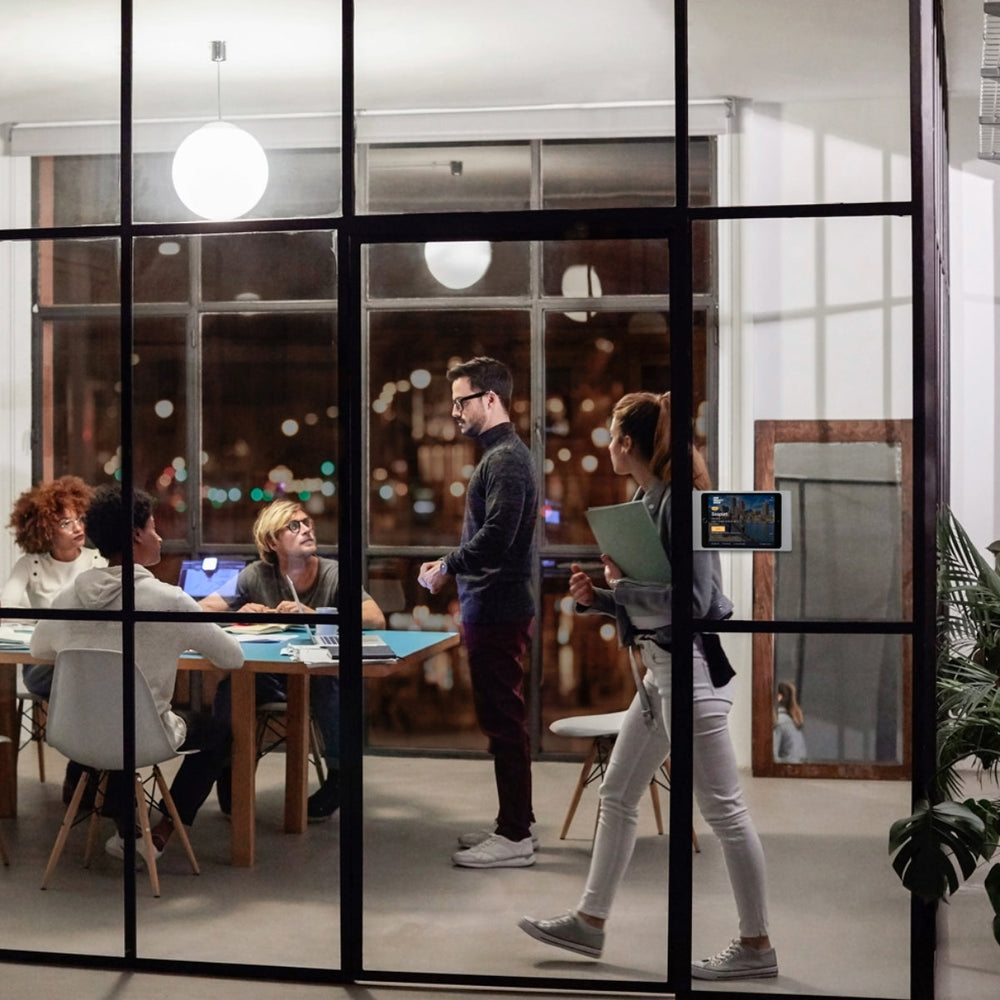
492,567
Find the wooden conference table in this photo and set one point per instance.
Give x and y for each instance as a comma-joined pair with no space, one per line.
260,657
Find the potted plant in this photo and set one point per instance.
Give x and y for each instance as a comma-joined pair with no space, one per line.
946,840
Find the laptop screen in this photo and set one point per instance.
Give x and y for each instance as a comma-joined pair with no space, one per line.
201,577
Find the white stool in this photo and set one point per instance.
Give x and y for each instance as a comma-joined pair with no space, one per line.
602,731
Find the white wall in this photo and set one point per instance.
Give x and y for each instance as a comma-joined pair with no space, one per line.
975,327
15,346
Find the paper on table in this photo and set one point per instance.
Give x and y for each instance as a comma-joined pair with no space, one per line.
257,629
625,531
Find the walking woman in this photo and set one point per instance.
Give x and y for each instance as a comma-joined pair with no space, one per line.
640,448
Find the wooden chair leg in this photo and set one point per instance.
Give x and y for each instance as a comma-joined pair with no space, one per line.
94,825
179,828
655,796
580,785
67,825
142,818
316,749
38,720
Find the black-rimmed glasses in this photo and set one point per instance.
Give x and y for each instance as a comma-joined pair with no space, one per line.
459,404
296,526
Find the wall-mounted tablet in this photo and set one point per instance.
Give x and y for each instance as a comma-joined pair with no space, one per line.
754,520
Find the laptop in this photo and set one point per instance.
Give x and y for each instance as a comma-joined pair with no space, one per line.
372,647
200,577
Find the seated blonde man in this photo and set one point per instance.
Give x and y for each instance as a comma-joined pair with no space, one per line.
286,541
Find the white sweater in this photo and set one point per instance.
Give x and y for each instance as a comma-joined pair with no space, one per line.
36,579
158,645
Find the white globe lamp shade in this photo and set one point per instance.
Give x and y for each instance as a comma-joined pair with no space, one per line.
220,171
458,265
580,281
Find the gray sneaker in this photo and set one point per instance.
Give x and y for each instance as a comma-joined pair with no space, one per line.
738,961
476,837
497,852
567,931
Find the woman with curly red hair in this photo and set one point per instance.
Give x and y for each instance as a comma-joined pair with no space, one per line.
48,526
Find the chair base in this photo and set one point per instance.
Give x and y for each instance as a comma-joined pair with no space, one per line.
271,735
142,803
594,766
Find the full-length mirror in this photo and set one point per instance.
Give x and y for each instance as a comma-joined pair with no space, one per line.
834,704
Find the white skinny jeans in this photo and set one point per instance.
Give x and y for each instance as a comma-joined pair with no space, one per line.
637,755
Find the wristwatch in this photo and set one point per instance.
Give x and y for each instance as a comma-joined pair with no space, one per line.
443,568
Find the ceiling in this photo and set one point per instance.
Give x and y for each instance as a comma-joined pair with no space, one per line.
64,65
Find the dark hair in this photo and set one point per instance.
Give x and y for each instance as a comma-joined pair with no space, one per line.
645,418
486,375
106,513
38,511
788,698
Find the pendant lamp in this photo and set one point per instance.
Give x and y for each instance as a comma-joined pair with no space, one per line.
220,170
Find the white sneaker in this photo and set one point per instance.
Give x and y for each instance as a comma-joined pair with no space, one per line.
738,961
476,837
497,852
115,846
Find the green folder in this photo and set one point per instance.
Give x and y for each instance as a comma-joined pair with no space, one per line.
626,532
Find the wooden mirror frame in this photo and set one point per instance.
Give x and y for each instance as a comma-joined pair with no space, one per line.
767,434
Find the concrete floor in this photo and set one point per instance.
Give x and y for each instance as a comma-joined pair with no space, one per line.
839,917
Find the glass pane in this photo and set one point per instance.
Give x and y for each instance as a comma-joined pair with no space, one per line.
78,272
161,413
419,461
632,173
75,190
269,266
268,430
846,517
449,178
430,705
846,823
814,123
852,688
162,270
591,268
267,99
435,270
61,94
583,670
73,364
592,360
522,74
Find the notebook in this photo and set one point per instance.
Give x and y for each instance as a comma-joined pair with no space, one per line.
201,577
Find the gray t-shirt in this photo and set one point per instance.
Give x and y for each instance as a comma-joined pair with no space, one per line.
262,583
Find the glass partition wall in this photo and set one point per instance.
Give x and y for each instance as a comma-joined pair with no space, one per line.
450,184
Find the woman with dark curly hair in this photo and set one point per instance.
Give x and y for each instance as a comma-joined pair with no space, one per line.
48,526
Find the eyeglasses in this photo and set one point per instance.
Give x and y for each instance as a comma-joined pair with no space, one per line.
459,404
296,526
67,522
